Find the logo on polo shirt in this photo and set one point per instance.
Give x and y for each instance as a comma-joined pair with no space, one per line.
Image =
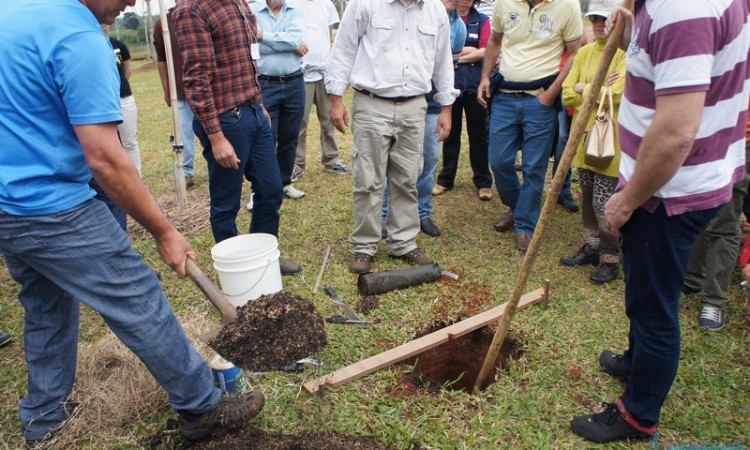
546,27
512,20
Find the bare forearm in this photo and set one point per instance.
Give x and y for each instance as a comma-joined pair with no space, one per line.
471,55
491,53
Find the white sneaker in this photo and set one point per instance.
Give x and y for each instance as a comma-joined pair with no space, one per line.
291,192
250,203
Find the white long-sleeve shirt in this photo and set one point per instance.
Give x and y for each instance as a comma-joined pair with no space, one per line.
393,48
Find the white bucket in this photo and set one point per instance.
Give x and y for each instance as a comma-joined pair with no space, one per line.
248,267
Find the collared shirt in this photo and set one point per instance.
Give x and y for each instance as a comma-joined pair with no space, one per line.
215,39
320,15
706,51
393,48
534,38
281,37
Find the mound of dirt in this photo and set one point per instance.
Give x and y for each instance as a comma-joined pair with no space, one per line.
256,439
271,332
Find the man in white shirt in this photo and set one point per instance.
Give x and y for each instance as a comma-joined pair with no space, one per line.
390,52
320,17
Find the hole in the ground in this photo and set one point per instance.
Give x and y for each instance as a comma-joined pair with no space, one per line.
455,365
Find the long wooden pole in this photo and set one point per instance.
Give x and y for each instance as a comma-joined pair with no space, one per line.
549,204
179,172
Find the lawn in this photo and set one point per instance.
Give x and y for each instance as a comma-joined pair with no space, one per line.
528,407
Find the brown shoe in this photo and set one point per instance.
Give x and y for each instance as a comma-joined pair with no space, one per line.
361,263
438,189
233,411
505,223
485,194
189,182
415,257
522,242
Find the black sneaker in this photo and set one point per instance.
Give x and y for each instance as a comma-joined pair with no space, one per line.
233,410
612,364
583,257
613,424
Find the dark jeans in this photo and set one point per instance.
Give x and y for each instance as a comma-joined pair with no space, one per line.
285,103
563,133
656,251
247,129
476,127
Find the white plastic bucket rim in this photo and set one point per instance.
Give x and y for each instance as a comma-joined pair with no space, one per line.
243,246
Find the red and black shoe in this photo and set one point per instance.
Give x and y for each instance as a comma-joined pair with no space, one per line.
615,423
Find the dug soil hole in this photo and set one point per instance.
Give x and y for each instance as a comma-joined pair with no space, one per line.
455,365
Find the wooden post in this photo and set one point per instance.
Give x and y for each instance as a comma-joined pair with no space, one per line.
549,204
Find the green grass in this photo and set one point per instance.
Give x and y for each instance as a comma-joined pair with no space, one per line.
529,407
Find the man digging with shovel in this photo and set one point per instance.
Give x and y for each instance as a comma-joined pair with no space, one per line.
59,109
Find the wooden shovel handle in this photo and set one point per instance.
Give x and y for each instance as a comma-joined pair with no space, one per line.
209,289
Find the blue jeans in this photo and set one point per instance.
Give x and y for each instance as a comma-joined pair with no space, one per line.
187,135
285,103
656,250
82,255
431,156
519,121
563,133
246,128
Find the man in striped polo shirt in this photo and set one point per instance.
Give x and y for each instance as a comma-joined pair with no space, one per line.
682,136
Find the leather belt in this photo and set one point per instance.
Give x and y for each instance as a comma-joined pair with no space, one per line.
390,99
282,78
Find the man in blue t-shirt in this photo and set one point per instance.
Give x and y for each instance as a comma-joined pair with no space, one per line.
59,109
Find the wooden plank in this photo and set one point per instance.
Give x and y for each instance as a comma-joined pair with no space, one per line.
411,348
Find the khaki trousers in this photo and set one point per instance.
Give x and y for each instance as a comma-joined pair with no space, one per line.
387,145
315,94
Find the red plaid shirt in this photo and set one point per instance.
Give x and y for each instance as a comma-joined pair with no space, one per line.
215,38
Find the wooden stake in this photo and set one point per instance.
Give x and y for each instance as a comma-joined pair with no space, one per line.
322,269
179,171
411,348
549,204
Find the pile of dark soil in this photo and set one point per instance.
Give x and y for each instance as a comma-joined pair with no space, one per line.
271,332
248,438
256,440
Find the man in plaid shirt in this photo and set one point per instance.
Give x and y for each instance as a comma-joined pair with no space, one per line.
219,44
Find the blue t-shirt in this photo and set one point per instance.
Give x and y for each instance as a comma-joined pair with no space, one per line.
53,76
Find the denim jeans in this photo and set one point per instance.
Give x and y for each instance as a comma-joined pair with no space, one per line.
285,103
247,129
563,133
187,135
519,121
82,255
431,156
656,250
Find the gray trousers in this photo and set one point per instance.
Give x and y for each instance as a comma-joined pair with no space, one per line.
715,252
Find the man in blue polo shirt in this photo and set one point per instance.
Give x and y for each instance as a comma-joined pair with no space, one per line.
59,109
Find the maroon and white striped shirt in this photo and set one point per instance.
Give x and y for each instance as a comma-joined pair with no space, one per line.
689,46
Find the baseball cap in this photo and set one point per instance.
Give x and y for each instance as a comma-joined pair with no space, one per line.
601,7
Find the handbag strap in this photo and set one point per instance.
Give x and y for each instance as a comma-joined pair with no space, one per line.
606,95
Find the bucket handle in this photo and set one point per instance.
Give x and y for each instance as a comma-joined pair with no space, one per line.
265,269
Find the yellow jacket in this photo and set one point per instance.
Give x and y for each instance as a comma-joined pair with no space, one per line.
584,65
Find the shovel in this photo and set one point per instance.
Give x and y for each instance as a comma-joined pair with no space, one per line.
209,289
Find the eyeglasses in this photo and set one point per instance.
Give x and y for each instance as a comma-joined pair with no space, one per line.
597,19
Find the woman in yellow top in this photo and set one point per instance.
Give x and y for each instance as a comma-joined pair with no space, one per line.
599,247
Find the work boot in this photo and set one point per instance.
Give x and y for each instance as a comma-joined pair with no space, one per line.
415,257
505,223
584,256
522,242
361,263
233,410
189,181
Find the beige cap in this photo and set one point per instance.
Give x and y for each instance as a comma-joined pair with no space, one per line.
602,7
